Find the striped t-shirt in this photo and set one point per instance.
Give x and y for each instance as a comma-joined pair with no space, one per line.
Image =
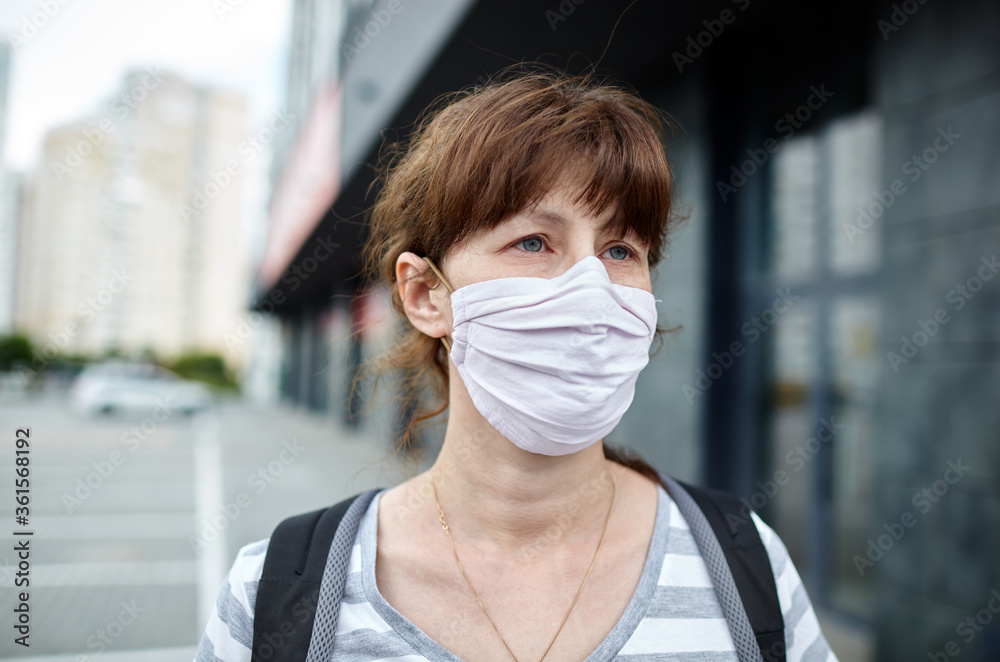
674,613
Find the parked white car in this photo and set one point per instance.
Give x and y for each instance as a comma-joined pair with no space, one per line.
135,387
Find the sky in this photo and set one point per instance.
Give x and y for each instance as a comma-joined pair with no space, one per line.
71,63
71,60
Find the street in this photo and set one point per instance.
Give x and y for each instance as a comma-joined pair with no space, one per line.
136,519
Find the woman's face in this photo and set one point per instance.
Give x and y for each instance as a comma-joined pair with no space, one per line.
544,242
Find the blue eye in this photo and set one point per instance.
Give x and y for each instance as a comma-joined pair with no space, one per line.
531,244
619,252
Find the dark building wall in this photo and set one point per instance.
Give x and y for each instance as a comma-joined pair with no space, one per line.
940,69
940,73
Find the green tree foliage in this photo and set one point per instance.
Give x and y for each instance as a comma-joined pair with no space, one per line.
208,368
15,350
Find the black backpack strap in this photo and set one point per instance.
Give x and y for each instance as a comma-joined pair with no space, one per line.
749,564
289,589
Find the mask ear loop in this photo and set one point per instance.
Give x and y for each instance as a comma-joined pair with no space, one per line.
441,277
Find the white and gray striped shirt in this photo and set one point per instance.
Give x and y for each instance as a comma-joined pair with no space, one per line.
674,613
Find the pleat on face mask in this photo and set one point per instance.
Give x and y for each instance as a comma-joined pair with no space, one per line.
552,363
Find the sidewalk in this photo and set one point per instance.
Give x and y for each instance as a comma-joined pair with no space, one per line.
160,528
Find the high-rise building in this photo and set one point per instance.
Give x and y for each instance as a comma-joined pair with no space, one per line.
6,57
9,187
131,233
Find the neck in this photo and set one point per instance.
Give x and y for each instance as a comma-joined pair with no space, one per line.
491,490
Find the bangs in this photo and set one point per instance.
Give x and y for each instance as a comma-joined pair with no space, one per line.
499,150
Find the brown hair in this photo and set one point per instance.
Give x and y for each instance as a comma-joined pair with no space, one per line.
482,155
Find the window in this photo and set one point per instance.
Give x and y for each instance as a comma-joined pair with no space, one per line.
822,360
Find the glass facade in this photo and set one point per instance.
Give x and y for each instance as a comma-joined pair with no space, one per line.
822,365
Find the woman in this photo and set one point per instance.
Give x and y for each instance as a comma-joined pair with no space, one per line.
517,233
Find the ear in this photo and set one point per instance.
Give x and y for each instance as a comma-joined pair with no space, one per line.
425,298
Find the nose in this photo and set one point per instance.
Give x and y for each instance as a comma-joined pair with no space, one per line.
581,249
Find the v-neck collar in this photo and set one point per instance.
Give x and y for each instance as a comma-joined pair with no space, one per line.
435,652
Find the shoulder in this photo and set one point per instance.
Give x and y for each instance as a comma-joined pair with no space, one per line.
776,550
802,631
246,572
228,633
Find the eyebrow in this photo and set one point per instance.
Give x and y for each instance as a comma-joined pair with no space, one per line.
548,215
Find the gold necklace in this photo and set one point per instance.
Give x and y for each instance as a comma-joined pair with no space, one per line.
444,525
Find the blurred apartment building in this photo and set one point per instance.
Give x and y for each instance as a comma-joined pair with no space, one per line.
130,235
834,282
9,202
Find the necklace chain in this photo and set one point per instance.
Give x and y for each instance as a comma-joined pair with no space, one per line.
444,525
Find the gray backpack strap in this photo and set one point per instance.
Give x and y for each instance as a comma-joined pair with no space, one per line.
334,578
718,569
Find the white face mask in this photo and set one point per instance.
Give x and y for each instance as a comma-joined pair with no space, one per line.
552,363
